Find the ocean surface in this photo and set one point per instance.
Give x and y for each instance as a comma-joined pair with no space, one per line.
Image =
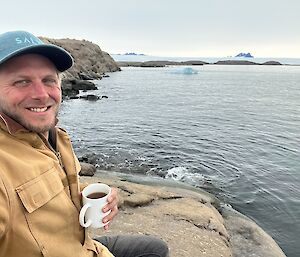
231,130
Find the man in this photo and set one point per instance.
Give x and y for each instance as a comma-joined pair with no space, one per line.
39,187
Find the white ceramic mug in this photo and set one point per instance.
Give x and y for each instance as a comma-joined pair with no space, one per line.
94,197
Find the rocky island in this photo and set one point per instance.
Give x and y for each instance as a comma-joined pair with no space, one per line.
246,55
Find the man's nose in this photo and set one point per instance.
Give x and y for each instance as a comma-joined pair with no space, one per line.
39,90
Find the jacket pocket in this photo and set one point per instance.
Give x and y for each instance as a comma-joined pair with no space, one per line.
40,190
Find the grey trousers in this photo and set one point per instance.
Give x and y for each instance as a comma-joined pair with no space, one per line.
134,246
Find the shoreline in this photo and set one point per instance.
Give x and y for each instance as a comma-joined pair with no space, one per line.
171,209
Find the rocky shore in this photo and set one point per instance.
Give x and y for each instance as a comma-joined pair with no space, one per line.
192,222
90,63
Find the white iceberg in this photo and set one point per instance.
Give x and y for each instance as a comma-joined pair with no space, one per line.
186,70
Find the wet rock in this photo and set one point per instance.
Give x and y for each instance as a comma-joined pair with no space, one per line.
247,237
84,76
73,97
69,93
79,84
90,158
90,97
71,87
87,169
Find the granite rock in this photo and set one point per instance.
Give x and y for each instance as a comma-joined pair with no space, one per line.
192,222
89,60
90,63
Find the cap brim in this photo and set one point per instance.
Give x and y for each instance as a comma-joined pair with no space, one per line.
60,57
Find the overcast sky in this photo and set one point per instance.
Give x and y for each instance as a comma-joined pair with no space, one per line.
187,28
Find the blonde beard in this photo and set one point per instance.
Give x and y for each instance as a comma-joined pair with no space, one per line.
38,129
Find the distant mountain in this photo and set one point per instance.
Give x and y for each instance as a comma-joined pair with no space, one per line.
133,54
248,55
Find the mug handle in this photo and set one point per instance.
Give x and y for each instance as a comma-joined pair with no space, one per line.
82,214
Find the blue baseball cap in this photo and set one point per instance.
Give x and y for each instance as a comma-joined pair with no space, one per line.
15,43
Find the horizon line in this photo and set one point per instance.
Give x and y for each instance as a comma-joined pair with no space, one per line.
168,56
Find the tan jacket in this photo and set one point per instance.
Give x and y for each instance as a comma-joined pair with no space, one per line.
39,197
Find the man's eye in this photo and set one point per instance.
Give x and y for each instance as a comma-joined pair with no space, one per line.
50,82
23,82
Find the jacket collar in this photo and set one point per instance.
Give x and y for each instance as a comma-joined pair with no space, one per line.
10,125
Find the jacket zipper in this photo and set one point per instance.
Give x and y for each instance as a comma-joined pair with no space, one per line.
58,155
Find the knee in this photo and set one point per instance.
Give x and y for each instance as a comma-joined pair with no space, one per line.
164,249
161,248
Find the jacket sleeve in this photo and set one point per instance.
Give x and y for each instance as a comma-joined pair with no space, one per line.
4,209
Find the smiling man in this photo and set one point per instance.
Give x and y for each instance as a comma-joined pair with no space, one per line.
39,187
30,92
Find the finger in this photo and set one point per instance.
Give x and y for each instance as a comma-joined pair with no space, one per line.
106,227
113,195
110,206
111,215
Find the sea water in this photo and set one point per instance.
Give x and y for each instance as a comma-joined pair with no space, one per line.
232,130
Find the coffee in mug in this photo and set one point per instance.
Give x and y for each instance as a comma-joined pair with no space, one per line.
96,195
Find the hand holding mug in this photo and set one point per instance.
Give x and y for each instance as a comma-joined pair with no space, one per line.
112,206
98,203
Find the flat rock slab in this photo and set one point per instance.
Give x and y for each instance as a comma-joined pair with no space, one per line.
190,225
